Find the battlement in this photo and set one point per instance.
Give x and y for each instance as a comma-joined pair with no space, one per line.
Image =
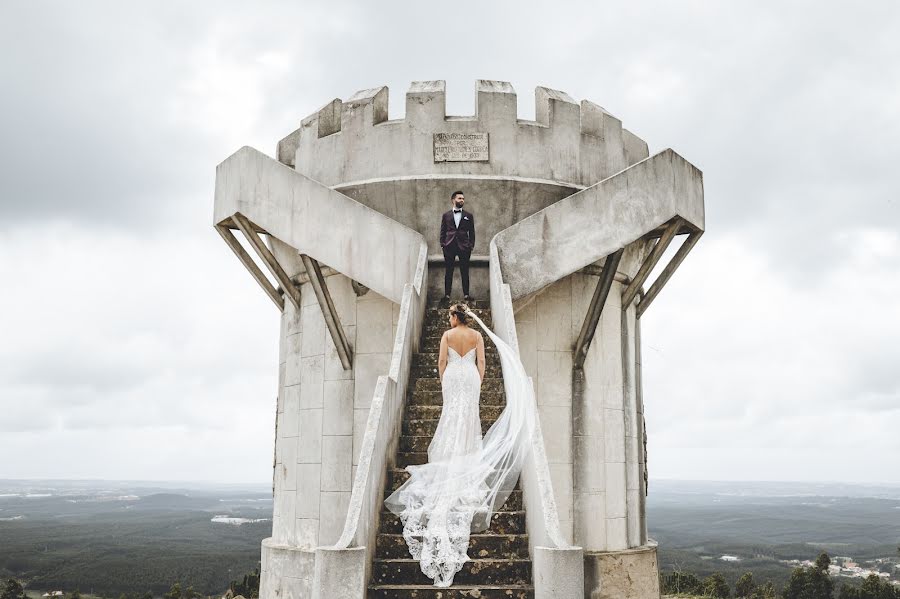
570,143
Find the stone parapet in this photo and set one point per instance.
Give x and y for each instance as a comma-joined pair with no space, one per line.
353,141
629,574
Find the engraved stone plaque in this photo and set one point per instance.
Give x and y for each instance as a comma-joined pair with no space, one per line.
461,147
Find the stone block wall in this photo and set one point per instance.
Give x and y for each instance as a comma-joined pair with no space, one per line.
388,165
321,417
353,141
593,427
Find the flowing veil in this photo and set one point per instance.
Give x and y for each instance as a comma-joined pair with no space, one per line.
443,501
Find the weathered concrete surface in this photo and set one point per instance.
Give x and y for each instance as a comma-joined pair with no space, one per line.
285,571
558,573
559,195
569,143
544,526
479,285
419,203
630,574
368,246
597,221
596,473
340,573
377,439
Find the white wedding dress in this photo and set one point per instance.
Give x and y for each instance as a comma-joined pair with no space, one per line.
467,478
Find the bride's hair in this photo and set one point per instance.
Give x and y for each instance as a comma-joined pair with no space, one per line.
459,310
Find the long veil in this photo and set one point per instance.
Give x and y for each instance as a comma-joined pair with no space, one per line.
459,495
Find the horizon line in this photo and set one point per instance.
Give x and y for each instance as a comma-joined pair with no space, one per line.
268,483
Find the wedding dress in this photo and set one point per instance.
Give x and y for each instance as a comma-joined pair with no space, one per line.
467,478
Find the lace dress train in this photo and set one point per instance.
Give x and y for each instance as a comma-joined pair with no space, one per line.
467,477
439,501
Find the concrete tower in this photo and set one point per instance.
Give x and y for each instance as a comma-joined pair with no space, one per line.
572,216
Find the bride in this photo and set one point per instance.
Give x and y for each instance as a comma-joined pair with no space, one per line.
467,477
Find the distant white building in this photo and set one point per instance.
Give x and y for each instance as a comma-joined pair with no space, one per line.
54,594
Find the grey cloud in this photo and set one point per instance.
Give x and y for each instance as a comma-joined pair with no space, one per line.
114,117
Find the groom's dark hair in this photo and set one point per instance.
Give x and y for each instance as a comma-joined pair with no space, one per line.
456,193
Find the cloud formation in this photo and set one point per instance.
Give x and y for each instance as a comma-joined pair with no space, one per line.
771,354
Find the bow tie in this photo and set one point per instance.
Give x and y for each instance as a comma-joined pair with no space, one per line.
457,211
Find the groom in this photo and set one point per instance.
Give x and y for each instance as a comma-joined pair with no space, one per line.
457,239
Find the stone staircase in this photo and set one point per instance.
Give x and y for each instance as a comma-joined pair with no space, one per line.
500,566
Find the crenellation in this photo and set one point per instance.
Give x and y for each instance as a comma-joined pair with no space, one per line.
571,143
286,150
426,103
635,148
553,108
329,118
366,107
496,102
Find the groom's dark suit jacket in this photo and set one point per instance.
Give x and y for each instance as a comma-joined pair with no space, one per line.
462,238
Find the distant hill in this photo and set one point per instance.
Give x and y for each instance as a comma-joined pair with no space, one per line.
174,501
117,538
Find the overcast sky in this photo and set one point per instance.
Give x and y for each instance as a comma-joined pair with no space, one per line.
134,346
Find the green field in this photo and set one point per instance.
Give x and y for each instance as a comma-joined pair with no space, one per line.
130,540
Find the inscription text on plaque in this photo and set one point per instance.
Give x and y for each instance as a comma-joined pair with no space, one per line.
461,147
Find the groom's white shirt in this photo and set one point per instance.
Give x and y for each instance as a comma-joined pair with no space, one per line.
457,216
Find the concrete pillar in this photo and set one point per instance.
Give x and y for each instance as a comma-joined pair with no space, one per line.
322,410
608,455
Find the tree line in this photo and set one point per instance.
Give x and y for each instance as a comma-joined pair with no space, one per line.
811,582
248,587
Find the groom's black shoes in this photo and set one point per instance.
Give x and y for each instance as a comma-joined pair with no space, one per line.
445,301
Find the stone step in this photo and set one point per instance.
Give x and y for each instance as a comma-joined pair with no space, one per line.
488,385
502,523
415,443
437,303
435,398
428,427
417,412
481,546
513,503
442,317
431,359
492,371
476,306
475,572
427,591
398,476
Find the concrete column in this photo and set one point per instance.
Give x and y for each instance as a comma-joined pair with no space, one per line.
633,424
600,435
589,455
642,433
287,568
314,440
554,340
335,480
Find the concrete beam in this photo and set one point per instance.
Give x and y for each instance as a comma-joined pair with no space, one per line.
367,247
668,271
651,261
250,265
583,344
586,226
332,321
268,258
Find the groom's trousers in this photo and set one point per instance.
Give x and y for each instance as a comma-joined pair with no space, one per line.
450,254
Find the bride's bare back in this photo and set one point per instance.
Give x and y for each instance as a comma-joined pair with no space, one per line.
462,340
